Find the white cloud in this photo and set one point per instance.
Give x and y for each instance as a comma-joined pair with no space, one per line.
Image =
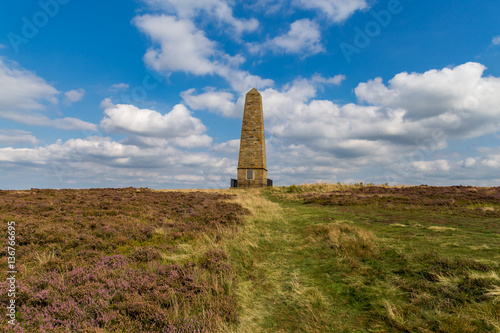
182,47
336,10
289,101
67,123
34,119
21,156
459,100
145,141
228,147
21,89
496,40
24,96
223,103
10,137
452,169
107,103
218,9
119,86
309,139
492,162
392,139
426,94
431,166
469,162
216,102
243,81
406,127
129,119
488,159
268,7
103,162
74,96
193,141
336,80
90,149
303,38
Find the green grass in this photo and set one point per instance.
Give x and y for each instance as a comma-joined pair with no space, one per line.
367,267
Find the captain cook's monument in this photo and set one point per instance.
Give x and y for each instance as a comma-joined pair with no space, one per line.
252,166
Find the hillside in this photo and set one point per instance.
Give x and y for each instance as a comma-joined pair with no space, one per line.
309,258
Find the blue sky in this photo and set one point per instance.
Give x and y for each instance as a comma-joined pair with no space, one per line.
151,92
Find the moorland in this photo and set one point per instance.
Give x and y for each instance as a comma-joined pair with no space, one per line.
301,258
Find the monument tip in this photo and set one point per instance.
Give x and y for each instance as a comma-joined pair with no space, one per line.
254,92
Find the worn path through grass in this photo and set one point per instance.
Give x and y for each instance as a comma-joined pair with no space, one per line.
279,290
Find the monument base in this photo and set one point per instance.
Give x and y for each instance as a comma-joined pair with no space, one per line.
252,177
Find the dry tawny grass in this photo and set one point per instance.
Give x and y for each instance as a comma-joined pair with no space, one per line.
442,229
347,240
495,293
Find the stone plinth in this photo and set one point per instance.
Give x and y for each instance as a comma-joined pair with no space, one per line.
252,167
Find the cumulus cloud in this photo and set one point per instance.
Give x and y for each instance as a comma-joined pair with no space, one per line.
460,100
144,141
183,47
303,38
22,89
219,10
243,81
469,162
228,147
24,97
496,40
80,151
383,138
74,96
129,119
193,141
66,123
10,137
449,168
35,119
336,10
426,94
226,104
398,132
488,158
431,166
214,101
403,130
103,162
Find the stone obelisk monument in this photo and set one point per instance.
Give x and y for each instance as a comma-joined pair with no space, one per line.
252,166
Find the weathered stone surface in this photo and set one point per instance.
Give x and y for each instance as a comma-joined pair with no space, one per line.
252,144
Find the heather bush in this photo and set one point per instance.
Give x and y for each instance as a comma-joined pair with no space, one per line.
468,200
215,260
92,260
